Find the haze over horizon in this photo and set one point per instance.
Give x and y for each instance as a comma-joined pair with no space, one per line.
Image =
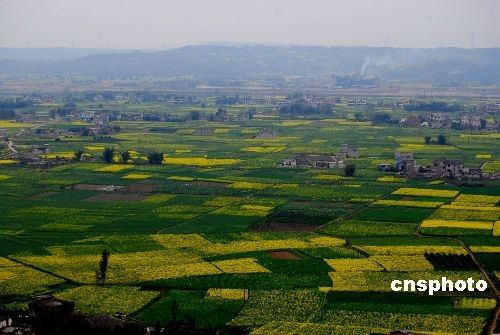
155,24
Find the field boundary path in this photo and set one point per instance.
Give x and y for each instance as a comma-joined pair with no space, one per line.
493,321
34,267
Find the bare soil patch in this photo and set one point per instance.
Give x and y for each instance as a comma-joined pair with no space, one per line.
283,254
117,197
282,226
210,184
407,198
140,187
94,187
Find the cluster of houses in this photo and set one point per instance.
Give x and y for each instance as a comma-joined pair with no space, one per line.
321,161
406,164
47,314
444,120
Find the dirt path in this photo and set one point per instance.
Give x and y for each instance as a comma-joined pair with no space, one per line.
493,322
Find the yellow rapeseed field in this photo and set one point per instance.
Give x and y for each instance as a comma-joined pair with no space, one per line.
476,200
243,265
409,203
425,192
354,264
114,168
199,161
137,176
264,150
227,293
8,161
403,263
391,179
457,224
249,185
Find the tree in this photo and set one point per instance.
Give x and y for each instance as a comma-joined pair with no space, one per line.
103,268
194,115
125,156
108,154
358,116
427,140
349,170
382,118
78,155
483,123
442,139
155,158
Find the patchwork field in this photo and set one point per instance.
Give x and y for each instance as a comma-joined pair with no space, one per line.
222,235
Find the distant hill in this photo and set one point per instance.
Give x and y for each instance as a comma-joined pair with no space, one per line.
51,54
441,65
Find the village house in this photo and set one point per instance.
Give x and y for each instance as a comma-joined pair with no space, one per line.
3,133
348,151
41,150
87,116
5,321
324,161
117,323
385,167
405,162
44,305
266,134
101,119
412,121
447,167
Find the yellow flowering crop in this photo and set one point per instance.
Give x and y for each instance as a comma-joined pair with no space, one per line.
264,150
391,179
199,161
8,161
327,177
293,123
475,303
410,249
94,148
243,265
248,185
473,208
4,177
491,166
354,264
425,192
16,279
404,263
181,178
136,176
227,293
159,198
485,248
326,241
483,156
476,200
496,228
409,203
457,224
114,168
53,155
107,300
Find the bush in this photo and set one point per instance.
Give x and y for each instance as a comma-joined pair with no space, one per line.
349,170
155,158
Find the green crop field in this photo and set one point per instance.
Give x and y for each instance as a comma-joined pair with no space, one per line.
221,234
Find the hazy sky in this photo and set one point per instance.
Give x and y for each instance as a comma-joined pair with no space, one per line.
144,24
